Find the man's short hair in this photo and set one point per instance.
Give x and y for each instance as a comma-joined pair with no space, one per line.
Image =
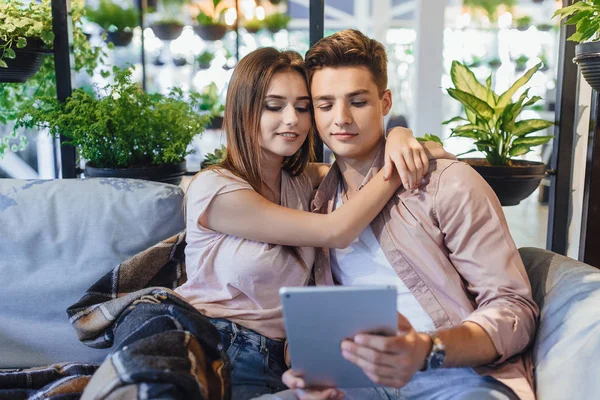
349,48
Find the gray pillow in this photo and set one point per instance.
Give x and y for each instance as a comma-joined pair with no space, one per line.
58,237
567,346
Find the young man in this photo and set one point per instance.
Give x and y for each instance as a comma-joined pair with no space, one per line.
464,299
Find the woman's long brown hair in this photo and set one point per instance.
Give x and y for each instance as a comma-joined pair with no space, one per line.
244,106
243,109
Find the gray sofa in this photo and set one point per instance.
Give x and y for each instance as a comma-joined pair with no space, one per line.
59,237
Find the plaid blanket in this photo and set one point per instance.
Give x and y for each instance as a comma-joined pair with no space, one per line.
162,346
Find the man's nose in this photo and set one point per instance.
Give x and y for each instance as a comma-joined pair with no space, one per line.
343,116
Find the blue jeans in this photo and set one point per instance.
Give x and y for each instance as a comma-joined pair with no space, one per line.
257,362
443,384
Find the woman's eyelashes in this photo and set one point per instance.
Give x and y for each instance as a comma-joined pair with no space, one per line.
278,108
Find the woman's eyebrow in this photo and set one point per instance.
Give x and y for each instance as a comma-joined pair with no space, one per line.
278,97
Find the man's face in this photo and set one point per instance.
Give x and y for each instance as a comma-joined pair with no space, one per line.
349,111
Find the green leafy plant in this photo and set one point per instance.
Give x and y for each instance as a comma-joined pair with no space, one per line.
254,25
524,22
124,127
205,58
521,62
216,18
430,137
209,100
15,97
475,62
491,119
494,63
490,7
585,15
277,21
214,158
112,17
20,21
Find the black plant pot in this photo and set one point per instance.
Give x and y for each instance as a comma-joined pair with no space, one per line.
167,173
179,61
587,56
211,32
27,62
119,38
510,183
169,31
215,123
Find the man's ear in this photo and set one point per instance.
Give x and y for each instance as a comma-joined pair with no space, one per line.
386,102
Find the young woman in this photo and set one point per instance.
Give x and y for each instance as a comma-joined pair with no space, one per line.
249,231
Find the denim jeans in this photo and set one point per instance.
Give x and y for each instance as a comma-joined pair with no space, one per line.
442,384
256,361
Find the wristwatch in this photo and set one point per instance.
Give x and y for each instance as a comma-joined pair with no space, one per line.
436,357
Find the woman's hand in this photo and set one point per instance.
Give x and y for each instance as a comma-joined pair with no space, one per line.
295,381
405,152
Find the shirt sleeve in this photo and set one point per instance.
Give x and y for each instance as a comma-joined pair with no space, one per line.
205,187
483,252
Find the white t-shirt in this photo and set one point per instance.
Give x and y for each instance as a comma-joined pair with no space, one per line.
364,263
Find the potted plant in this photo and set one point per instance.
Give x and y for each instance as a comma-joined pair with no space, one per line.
204,59
489,7
167,28
211,27
116,21
491,120
524,23
170,26
209,103
544,27
494,63
475,62
544,60
15,97
214,158
585,15
125,132
26,37
276,22
521,63
253,25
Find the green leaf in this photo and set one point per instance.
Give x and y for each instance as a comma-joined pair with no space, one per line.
464,80
506,97
9,53
467,152
3,64
455,119
433,138
528,126
519,150
479,107
21,42
532,141
47,37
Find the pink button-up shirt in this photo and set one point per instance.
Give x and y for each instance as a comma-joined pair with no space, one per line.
450,244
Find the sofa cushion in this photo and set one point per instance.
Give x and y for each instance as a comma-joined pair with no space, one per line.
567,346
58,237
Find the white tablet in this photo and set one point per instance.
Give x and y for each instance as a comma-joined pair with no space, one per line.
318,318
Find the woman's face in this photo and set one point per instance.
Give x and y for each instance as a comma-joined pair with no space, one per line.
285,120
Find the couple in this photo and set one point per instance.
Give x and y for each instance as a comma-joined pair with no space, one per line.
464,300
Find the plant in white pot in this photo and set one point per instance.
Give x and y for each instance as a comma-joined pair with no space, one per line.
585,15
492,121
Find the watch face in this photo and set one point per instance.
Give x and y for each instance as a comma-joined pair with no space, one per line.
437,359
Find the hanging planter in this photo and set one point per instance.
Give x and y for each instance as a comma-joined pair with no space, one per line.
27,61
119,38
167,30
587,56
585,15
211,32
